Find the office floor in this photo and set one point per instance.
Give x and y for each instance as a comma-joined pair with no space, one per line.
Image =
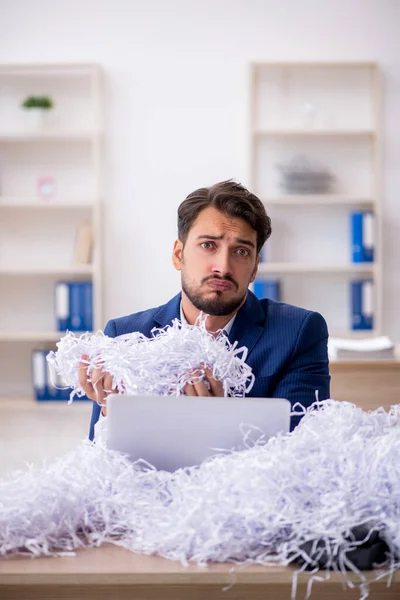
31,431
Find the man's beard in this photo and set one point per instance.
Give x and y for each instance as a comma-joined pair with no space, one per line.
216,306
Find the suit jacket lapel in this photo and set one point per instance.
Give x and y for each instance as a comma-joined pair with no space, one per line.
168,312
249,323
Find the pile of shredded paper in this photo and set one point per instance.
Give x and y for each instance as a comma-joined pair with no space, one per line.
299,496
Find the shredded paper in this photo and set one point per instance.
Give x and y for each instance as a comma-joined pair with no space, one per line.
297,496
160,365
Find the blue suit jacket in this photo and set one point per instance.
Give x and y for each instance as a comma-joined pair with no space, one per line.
287,347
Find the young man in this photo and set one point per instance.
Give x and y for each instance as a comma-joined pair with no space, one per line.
221,231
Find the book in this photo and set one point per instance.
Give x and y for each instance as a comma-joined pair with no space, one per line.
83,244
362,236
362,304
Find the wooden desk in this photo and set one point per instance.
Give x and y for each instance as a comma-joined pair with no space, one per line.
369,384
113,573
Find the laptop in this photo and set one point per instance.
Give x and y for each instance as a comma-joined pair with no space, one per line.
172,432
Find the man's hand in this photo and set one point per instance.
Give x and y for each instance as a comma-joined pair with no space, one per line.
200,388
98,386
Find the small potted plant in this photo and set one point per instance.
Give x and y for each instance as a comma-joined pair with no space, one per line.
36,108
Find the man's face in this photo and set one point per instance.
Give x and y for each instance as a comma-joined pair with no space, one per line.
218,262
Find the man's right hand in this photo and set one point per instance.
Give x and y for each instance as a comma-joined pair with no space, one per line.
98,386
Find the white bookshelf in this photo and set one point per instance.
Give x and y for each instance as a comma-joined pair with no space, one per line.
330,114
37,235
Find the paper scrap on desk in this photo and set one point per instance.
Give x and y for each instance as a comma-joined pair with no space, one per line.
359,345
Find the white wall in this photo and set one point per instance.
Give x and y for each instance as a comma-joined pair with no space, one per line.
176,100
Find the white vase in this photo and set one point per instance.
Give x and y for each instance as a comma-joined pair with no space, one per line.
34,119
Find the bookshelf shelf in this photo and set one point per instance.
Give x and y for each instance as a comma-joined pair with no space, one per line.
33,336
350,269
344,333
319,200
325,64
33,203
54,136
56,69
70,271
314,133
54,242
315,136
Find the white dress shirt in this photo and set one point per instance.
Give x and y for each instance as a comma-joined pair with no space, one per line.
227,327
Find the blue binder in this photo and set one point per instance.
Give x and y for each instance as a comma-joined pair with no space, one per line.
267,288
39,378
62,308
362,305
63,391
362,236
56,388
52,391
88,305
76,306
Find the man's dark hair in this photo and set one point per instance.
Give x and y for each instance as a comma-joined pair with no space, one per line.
232,199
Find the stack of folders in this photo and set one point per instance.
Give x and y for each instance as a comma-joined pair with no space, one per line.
267,288
362,251
74,305
47,384
74,312
380,348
